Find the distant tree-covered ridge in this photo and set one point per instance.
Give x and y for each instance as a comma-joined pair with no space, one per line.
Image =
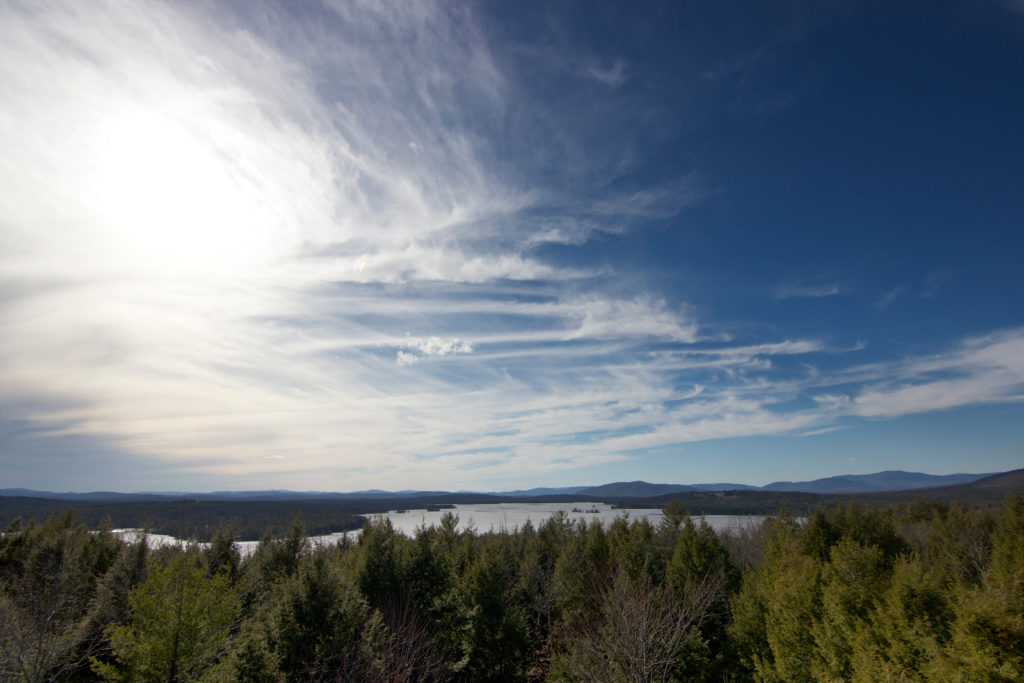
926,591
199,518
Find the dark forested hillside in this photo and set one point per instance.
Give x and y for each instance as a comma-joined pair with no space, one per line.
192,519
199,518
925,591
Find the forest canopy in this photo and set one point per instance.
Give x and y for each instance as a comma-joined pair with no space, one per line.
851,592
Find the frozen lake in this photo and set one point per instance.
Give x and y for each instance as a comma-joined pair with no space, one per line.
511,516
490,517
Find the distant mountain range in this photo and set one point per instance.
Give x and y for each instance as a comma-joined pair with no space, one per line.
633,489
533,493
890,480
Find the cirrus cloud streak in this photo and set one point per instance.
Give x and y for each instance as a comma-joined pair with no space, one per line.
291,246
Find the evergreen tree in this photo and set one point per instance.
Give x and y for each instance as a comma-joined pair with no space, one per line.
700,561
776,606
318,624
179,628
496,639
222,555
905,634
852,580
381,575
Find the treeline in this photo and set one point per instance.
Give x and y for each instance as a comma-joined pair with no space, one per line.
929,592
199,520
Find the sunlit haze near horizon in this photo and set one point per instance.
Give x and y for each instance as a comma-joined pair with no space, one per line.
338,245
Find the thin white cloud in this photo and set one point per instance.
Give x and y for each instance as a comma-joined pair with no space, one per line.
986,369
889,298
614,75
185,186
660,201
609,318
277,247
811,291
574,221
406,358
434,346
1015,6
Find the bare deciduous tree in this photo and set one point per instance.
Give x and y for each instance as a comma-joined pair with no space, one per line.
401,649
640,631
37,639
745,542
44,626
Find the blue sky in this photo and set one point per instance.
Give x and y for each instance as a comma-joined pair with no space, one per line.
344,245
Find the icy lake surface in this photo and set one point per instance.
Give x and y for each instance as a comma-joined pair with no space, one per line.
492,517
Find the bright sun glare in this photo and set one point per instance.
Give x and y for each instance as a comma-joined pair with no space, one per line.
170,203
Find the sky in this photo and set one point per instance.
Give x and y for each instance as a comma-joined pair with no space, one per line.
339,245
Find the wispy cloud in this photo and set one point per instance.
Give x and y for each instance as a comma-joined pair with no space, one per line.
434,346
294,244
614,75
888,298
928,287
987,369
188,193
1016,6
812,291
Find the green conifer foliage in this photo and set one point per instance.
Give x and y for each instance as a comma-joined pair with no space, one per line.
841,596
179,628
222,554
275,560
427,577
775,609
633,546
496,639
381,570
852,581
252,658
905,634
700,561
319,623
